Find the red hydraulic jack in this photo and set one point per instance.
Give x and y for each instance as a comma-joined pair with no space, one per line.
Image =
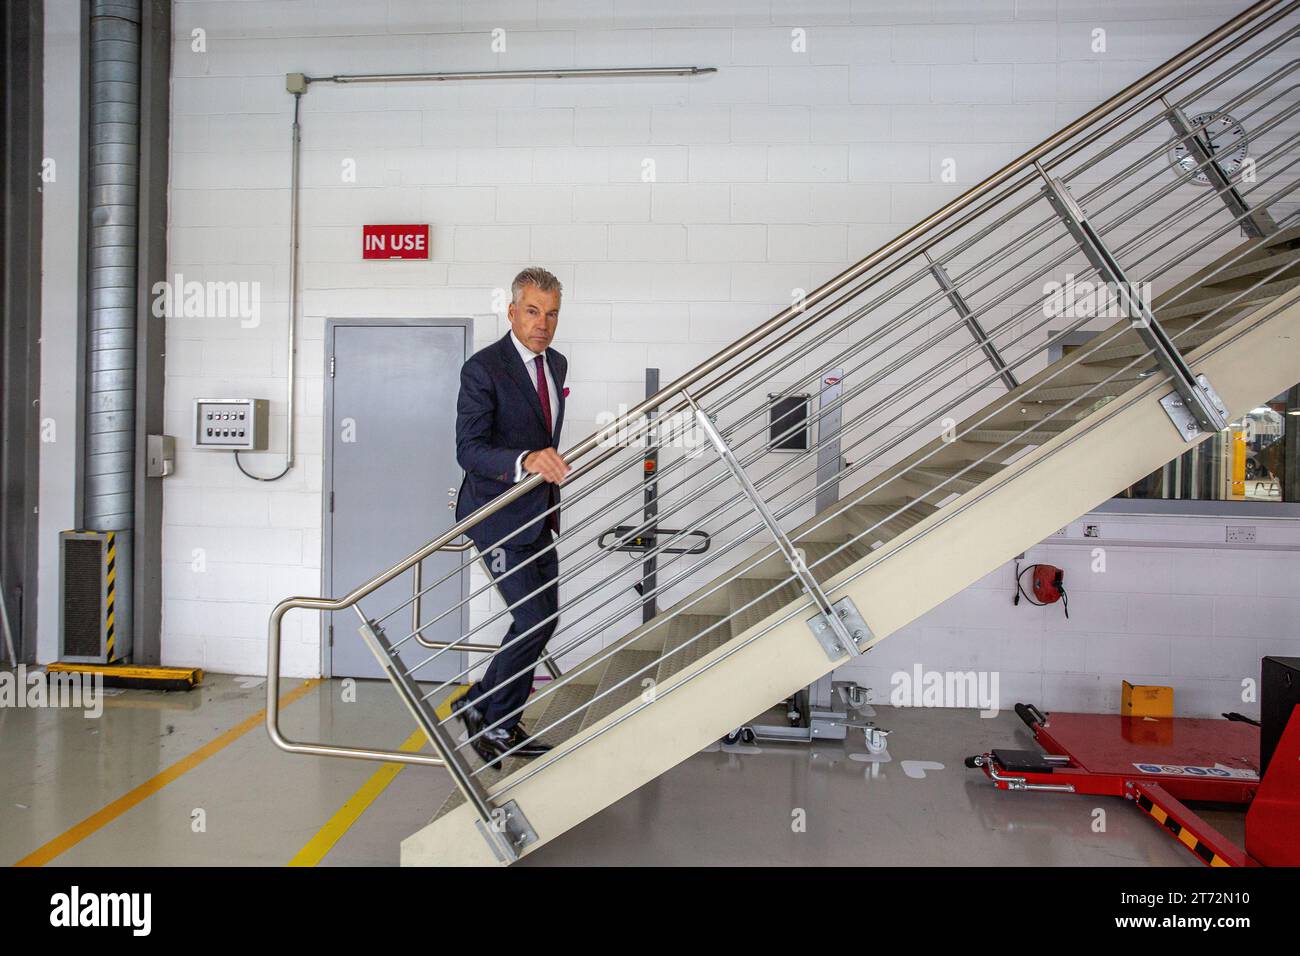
1158,763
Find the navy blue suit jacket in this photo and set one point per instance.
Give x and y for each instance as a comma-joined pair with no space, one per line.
498,417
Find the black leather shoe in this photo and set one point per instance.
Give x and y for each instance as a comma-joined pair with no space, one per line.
491,745
497,742
469,715
528,746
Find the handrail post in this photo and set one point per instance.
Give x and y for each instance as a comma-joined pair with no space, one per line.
505,828
1197,406
1256,223
964,311
829,626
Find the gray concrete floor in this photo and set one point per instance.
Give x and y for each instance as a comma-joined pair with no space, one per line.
726,805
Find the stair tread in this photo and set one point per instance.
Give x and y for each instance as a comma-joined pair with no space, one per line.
609,695
1039,434
689,639
881,521
1093,390
1183,341
960,477
1289,234
1237,300
1253,266
742,591
830,563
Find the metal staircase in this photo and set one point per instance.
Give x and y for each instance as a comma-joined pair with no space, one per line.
983,405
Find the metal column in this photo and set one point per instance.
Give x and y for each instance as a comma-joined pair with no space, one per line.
650,472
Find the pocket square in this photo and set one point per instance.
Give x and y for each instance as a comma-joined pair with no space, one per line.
566,392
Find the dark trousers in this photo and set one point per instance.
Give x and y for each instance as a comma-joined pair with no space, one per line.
542,572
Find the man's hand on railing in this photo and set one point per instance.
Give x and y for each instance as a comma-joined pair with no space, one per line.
548,463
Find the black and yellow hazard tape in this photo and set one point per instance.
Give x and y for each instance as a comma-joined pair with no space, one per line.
110,577
1180,832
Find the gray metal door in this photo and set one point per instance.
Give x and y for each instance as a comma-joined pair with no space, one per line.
390,472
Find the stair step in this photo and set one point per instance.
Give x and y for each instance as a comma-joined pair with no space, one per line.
1240,301
563,699
621,666
684,628
971,476
872,522
1283,236
831,562
1132,349
743,590
1254,266
1038,435
1063,394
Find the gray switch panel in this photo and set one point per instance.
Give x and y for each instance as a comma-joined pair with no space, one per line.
231,424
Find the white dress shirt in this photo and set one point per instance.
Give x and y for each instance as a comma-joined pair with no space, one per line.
529,358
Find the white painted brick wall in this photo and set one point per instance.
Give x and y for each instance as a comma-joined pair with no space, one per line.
773,174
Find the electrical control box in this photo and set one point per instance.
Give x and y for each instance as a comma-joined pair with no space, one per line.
231,424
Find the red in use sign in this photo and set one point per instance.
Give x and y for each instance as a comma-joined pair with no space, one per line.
395,242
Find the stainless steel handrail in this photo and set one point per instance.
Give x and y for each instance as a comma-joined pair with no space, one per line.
762,336
900,362
986,340
1199,202
799,607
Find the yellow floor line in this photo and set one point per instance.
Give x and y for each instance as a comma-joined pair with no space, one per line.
108,814
357,804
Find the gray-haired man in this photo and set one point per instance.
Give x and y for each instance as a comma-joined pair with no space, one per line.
508,419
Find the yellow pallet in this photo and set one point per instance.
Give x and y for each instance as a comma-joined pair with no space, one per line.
129,675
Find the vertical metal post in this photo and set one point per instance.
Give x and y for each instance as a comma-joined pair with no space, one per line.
829,625
650,474
830,461
959,305
1291,447
1256,223
1194,406
417,577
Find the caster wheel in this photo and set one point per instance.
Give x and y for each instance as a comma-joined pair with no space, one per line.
733,737
747,735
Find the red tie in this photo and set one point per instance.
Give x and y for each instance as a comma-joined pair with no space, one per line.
544,395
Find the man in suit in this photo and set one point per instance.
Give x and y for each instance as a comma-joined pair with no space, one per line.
508,419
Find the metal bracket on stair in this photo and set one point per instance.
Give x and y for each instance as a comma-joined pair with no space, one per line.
845,639
508,833
1182,416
